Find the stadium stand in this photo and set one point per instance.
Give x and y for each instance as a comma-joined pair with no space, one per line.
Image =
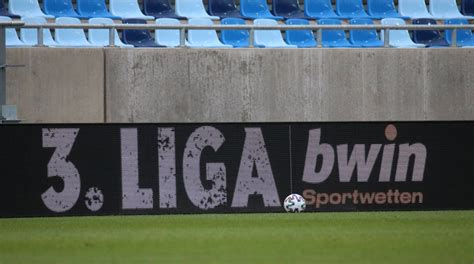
288,9
333,38
399,38
94,8
167,37
256,9
11,37
320,9
26,8
30,36
60,8
236,38
431,38
467,7
127,9
300,38
382,9
204,38
4,11
413,9
224,8
351,8
269,38
100,37
159,9
445,9
138,37
364,38
192,9
464,37
66,37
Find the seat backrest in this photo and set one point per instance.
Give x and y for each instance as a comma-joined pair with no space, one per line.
58,6
101,36
135,35
461,34
24,6
221,6
422,36
265,36
69,35
438,7
295,36
234,36
412,6
11,37
124,6
318,7
190,7
363,35
331,34
396,35
467,7
380,6
349,6
285,6
156,6
91,6
30,35
167,37
202,36
254,6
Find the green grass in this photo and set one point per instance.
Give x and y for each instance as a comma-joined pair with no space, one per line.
379,237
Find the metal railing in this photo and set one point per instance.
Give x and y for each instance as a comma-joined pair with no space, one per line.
183,28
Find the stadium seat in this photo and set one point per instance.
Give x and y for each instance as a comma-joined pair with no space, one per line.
364,38
138,37
4,11
269,38
167,37
256,9
30,35
192,9
71,37
445,9
413,9
26,8
464,37
320,9
431,38
100,37
383,9
204,38
351,8
288,9
11,37
333,38
94,8
300,38
467,7
60,8
159,9
236,38
399,38
224,8
127,9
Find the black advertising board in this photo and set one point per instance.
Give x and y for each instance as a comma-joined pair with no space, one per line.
114,169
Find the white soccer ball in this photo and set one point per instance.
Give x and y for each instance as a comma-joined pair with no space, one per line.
294,203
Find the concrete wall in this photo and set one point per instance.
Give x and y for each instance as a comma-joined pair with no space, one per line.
241,85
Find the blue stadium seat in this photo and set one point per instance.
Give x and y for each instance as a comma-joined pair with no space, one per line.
4,11
127,9
159,9
11,38
320,9
333,38
383,9
192,9
269,38
138,37
288,9
70,37
94,8
413,9
464,37
224,8
30,35
26,8
351,8
256,9
204,38
60,8
100,37
431,38
467,7
445,9
364,38
300,38
236,38
167,37
399,38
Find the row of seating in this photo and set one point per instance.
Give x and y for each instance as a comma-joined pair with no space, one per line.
237,38
249,9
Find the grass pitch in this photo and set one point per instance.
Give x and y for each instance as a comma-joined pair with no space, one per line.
379,237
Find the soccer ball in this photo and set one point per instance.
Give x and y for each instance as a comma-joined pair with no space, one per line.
294,203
